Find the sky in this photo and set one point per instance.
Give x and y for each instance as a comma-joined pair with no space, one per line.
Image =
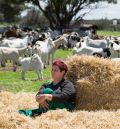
109,11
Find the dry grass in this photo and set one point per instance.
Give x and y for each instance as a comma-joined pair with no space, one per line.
10,119
97,82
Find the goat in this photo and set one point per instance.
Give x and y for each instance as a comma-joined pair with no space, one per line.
101,52
32,63
13,54
16,43
44,49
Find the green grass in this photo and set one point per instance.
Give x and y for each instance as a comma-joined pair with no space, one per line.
109,33
63,54
11,81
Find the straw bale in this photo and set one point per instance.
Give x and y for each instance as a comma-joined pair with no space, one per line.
11,119
97,82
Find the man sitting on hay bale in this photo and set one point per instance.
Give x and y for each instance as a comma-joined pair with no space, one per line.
58,94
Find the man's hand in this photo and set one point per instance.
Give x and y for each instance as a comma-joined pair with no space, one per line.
40,98
44,105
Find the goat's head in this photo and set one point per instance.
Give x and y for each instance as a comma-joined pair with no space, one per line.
35,58
114,46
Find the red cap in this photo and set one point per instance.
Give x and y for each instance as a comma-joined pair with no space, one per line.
62,66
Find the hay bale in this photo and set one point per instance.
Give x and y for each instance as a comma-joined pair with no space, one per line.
11,119
97,82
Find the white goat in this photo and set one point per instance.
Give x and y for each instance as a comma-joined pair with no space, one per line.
100,43
32,63
16,43
43,49
82,48
13,54
86,50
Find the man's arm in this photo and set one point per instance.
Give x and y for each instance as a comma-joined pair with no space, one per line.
68,91
41,88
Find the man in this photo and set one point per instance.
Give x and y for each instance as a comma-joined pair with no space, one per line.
57,94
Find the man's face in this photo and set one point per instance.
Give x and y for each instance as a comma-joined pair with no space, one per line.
56,73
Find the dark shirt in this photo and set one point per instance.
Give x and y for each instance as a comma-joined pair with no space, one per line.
64,91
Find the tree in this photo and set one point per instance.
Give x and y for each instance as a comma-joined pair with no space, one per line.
35,18
61,12
58,12
10,9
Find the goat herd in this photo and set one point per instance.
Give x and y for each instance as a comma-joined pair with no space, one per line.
33,50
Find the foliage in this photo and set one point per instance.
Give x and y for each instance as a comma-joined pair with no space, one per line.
61,12
10,9
35,18
58,12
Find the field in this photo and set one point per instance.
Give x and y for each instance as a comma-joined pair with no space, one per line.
21,95
109,33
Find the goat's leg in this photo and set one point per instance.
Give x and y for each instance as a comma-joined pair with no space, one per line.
48,59
41,74
23,75
14,66
43,60
38,74
44,64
